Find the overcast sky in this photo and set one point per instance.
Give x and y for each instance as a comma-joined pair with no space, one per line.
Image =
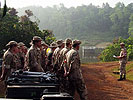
67,3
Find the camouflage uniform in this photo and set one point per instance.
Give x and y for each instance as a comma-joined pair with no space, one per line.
49,54
62,55
75,75
33,57
56,55
62,58
17,58
123,61
9,62
43,59
21,55
43,55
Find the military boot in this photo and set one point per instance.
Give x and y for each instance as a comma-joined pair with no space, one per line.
120,78
124,78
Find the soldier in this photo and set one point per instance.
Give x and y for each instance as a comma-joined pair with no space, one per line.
43,48
62,65
60,45
74,72
9,63
21,55
63,52
24,50
122,60
33,56
49,53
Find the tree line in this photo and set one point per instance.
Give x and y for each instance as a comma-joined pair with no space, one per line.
86,22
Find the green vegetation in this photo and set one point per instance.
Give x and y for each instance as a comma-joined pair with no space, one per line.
89,23
20,29
114,49
129,71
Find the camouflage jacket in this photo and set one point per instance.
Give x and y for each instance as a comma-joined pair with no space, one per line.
73,64
9,62
62,55
123,54
56,55
33,57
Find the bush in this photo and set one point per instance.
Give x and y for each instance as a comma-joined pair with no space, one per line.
114,49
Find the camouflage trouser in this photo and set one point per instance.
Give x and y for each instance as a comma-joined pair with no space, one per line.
122,68
78,85
64,85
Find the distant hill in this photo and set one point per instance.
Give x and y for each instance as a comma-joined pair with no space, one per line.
89,23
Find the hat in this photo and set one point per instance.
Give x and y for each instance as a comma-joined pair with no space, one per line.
53,45
43,43
76,42
59,42
21,44
11,43
122,44
68,40
25,47
37,38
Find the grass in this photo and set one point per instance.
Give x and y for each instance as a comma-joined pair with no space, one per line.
129,71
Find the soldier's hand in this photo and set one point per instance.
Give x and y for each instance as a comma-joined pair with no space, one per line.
1,79
65,74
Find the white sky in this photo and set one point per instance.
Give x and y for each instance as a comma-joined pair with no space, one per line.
67,3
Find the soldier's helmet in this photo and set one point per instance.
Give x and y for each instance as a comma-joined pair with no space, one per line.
68,40
59,42
122,44
76,42
12,43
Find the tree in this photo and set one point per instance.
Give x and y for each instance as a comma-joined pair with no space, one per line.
130,29
20,29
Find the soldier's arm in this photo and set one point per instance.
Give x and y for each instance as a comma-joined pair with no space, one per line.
123,56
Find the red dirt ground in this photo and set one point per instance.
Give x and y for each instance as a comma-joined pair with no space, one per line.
101,84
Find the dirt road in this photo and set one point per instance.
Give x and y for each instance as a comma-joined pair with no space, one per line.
102,85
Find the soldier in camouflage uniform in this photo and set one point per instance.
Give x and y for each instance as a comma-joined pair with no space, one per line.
60,45
20,56
43,48
33,56
62,65
122,60
49,53
9,63
63,52
24,50
74,72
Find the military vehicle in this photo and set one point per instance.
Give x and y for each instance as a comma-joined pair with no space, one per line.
35,86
